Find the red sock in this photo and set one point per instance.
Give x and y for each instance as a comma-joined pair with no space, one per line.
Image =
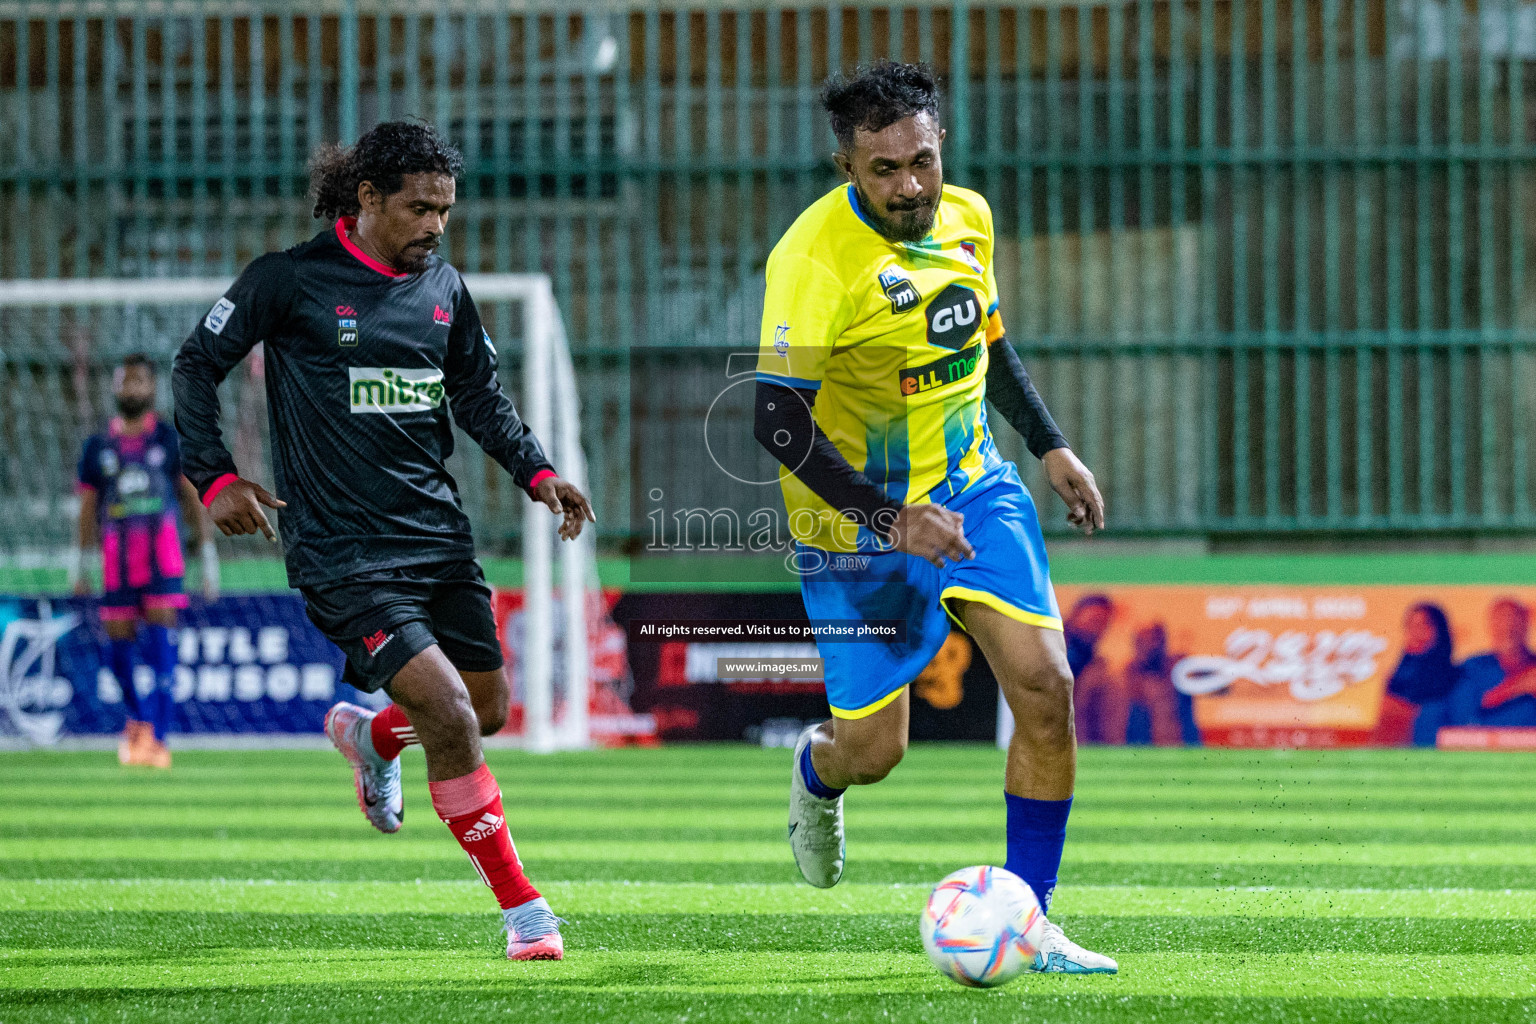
391,732
471,808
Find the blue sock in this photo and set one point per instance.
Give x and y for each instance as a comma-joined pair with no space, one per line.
161,656
812,783
120,661
1037,830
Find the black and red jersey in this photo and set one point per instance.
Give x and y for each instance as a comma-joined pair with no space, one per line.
363,366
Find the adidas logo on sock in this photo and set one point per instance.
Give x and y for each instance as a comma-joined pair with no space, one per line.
488,825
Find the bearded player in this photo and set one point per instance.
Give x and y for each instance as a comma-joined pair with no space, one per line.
881,342
130,486
371,340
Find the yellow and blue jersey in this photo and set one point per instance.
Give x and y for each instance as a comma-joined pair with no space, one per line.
893,337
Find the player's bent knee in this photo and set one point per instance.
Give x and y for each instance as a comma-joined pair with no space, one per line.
491,693
1042,706
877,761
493,718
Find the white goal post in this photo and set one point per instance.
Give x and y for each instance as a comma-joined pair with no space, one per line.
550,406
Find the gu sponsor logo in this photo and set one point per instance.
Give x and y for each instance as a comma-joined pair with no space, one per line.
953,316
917,379
375,389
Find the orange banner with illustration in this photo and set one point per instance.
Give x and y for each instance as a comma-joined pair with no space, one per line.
1298,666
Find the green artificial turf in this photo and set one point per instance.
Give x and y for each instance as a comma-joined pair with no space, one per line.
1232,886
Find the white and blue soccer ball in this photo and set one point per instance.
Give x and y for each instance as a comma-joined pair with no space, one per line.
982,926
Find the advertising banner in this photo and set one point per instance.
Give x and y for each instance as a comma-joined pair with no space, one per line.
696,691
611,720
248,664
1299,666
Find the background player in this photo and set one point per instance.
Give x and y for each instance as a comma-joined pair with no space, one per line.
130,483
881,339
368,334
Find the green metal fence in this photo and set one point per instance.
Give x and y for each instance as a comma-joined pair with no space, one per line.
1267,259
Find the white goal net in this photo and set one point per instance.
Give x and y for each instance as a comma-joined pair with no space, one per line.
59,340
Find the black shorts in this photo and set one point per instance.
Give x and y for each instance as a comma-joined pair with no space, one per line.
383,619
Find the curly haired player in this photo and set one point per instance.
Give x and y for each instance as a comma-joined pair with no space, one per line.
371,340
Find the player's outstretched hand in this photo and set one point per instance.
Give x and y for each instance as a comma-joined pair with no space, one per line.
564,499
932,532
1071,479
236,510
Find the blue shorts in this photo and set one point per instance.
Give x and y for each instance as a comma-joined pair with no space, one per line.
1009,573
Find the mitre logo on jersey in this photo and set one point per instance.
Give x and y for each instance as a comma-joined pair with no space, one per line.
953,316
388,390
900,290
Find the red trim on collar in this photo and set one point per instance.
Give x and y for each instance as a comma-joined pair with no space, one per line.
115,427
346,224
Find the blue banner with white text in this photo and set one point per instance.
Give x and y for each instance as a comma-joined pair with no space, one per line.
245,664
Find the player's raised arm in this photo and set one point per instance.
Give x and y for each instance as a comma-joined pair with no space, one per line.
484,412
243,317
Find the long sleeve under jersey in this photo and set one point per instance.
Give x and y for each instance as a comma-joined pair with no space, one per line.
363,366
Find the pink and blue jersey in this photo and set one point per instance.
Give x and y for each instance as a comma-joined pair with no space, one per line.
136,478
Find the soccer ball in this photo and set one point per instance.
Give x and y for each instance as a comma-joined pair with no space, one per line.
982,926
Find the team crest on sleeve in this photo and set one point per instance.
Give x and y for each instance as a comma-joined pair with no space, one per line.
781,339
346,332
218,316
898,287
968,253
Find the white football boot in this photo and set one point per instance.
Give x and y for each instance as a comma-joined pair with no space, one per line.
533,932
378,780
815,827
1060,955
